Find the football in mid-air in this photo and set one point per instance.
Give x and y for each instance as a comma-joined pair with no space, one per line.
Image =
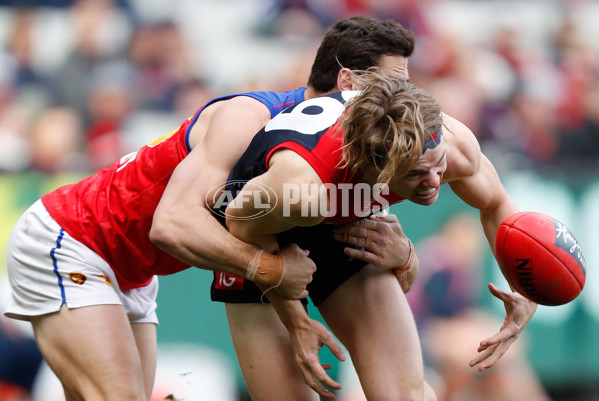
540,258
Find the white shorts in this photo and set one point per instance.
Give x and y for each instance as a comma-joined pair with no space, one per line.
48,268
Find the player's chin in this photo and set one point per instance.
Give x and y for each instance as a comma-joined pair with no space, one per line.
425,198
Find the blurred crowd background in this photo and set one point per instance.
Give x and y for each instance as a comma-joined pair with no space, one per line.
83,82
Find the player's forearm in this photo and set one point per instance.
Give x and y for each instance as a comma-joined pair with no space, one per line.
291,312
491,218
202,241
407,279
243,223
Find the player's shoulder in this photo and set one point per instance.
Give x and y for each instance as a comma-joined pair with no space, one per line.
245,110
234,117
244,104
294,166
463,149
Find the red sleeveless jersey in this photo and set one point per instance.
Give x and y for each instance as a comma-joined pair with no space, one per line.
111,211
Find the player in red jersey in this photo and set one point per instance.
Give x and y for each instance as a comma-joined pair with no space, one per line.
374,141
83,260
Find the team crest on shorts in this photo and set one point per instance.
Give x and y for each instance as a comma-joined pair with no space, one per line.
77,277
106,279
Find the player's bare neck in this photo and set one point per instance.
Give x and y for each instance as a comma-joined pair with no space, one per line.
311,93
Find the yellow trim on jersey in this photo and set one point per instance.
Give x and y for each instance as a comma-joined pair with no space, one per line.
163,138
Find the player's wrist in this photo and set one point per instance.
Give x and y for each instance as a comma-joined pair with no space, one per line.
266,268
409,263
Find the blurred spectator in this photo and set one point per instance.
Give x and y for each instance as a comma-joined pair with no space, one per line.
20,46
444,300
291,18
14,152
24,91
15,149
160,55
100,31
192,95
109,104
287,18
578,142
531,99
55,141
20,361
450,278
37,3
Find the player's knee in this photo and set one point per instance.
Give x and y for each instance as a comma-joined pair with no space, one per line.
404,392
429,393
88,392
81,387
414,391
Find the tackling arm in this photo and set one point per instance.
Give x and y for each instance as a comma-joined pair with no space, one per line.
183,224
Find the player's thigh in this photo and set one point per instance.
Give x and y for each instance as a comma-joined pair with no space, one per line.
370,315
265,355
93,352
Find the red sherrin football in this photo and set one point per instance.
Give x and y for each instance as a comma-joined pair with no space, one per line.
540,258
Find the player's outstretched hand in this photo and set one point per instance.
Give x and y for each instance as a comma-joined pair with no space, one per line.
382,237
306,340
299,269
518,312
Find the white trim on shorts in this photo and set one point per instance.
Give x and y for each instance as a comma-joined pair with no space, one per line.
48,268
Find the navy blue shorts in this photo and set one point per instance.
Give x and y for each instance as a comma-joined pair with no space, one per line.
333,267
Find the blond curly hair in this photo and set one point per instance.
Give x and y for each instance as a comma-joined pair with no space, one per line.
385,127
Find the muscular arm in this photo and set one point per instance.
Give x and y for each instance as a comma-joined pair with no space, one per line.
474,179
182,225
485,192
288,172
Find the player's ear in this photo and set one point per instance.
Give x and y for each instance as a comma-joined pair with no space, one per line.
345,79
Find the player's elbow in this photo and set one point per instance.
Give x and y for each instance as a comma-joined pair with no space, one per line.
162,233
241,229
